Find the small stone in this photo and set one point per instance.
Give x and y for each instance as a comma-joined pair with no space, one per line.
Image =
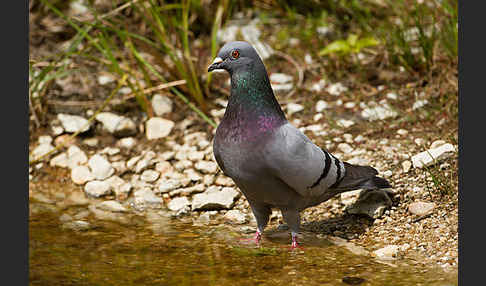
161,104
45,139
406,165
65,218
81,175
336,89
146,198
91,142
378,113
280,78
73,123
97,188
224,181
116,124
419,103
345,148
77,225
112,206
119,186
321,105
167,185
163,167
349,198
206,167
57,130
294,108
431,156
41,150
127,142
60,160
215,200
149,176
421,208
437,143
178,203
235,216
402,132
76,156
100,167
387,174
157,127
392,96
195,156
345,123
388,252
105,79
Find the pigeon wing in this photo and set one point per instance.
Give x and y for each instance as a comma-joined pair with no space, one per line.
302,165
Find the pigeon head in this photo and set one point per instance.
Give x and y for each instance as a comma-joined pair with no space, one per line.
234,56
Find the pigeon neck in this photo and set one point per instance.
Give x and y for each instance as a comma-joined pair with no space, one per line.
252,98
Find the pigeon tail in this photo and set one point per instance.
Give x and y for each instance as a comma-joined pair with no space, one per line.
361,177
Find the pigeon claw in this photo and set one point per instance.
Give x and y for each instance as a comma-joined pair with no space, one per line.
257,238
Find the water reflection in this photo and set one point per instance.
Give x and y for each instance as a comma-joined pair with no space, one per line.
156,250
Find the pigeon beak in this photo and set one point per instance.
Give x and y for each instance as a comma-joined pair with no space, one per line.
215,64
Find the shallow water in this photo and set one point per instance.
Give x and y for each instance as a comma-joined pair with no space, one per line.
156,250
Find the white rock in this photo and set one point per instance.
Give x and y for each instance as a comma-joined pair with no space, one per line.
207,167
224,181
419,103
235,216
318,86
97,188
112,206
73,123
321,105
92,142
57,130
157,127
60,160
167,185
215,200
41,150
280,78
119,186
421,208
437,143
392,96
359,138
116,124
323,30
388,252
349,198
318,116
406,165
402,132
149,176
81,175
127,142
345,123
431,156
349,105
161,104
336,89
293,108
378,113
146,198
282,86
76,156
345,148
105,79
100,167
178,203
44,139
308,59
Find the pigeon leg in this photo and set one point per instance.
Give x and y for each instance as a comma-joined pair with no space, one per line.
292,218
262,214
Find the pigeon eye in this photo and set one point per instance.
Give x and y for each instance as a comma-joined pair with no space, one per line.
235,54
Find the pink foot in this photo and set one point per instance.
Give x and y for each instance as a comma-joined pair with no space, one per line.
294,244
256,238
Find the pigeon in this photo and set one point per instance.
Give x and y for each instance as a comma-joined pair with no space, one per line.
272,162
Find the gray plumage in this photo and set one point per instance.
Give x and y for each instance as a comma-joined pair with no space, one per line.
273,163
